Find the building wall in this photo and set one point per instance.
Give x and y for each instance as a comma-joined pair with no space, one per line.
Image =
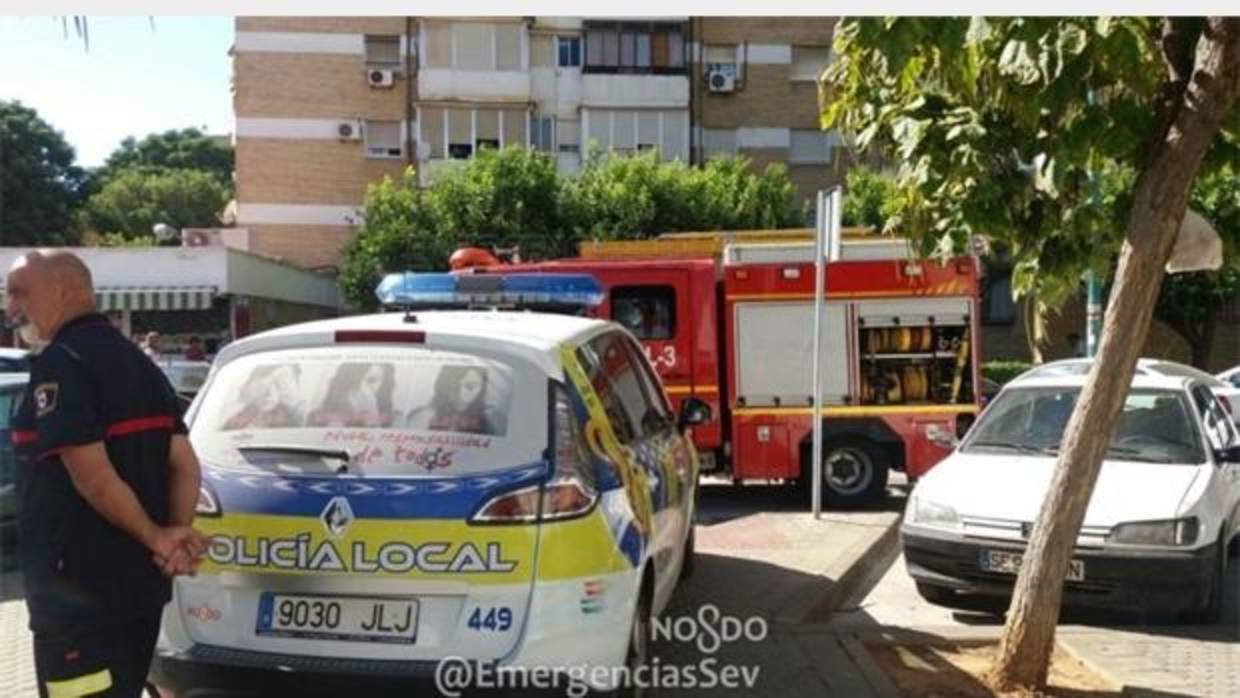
772,114
312,133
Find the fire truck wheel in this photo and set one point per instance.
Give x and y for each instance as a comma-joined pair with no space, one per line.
854,472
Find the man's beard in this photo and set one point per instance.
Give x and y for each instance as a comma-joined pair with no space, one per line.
30,336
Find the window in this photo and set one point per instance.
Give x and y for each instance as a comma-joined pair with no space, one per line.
659,413
808,62
649,312
1217,423
634,48
610,364
438,50
568,136
541,137
487,144
383,139
383,50
474,47
507,47
570,51
460,151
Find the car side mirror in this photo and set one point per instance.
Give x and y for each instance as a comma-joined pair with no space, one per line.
1231,454
942,437
693,412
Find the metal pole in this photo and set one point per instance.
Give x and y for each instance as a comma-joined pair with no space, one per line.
1093,286
1093,313
820,246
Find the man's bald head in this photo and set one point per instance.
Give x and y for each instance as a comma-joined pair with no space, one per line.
47,288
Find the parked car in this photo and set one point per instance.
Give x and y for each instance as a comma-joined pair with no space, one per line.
386,491
11,386
1231,377
1229,393
14,360
1159,523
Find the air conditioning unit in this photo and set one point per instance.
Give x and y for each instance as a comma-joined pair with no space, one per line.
720,80
349,130
200,237
376,77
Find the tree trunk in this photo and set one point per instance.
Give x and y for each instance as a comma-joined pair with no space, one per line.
1191,113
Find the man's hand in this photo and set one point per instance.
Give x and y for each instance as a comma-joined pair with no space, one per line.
178,549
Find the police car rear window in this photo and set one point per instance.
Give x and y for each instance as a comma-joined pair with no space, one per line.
387,408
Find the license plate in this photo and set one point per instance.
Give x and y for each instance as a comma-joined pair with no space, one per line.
357,618
1009,563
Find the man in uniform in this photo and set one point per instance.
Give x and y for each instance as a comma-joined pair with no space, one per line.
107,485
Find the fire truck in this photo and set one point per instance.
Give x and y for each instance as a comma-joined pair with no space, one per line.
728,318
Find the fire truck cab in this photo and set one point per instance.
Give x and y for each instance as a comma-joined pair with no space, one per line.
730,321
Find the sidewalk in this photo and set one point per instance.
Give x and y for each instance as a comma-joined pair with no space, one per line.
1154,662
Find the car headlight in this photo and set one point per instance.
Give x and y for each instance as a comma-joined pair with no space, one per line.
926,513
1171,532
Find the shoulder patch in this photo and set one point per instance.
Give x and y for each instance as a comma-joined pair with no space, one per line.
45,398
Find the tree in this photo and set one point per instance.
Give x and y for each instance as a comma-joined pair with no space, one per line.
999,127
39,184
183,149
1190,303
869,198
639,196
132,201
516,197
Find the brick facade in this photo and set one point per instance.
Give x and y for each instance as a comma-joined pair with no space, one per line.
285,171
306,86
308,246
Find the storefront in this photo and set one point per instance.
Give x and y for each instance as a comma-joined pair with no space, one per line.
215,293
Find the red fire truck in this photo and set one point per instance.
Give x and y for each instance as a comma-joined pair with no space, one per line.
729,320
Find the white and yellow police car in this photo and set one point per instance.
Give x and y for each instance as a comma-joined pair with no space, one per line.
386,491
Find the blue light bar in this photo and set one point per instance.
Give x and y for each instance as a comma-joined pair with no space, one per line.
411,289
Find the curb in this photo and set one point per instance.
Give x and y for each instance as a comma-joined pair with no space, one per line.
822,597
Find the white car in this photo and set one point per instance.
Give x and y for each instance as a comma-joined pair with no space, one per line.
1159,524
1231,377
1229,391
388,491
14,360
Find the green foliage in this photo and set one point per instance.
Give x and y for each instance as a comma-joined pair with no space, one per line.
92,239
638,196
1003,371
995,126
132,201
1189,303
39,184
870,198
183,149
516,197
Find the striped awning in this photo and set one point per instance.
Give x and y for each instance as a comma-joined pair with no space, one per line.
155,298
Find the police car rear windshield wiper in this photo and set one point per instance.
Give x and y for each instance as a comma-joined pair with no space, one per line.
337,453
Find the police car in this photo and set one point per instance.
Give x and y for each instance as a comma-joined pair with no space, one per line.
385,491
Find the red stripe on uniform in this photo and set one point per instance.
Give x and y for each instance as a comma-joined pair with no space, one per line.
133,426
24,437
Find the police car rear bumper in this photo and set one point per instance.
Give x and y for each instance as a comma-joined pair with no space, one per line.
208,670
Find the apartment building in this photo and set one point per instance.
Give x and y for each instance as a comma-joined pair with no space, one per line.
755,94
325,106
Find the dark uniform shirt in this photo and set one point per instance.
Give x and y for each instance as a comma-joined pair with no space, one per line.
91,384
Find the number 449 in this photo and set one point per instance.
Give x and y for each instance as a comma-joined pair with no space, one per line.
495,619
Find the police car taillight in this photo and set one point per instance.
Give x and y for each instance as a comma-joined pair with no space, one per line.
572,490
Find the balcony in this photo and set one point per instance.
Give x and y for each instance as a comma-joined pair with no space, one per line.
485,85
604,90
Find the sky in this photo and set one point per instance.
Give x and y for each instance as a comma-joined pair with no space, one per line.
133,80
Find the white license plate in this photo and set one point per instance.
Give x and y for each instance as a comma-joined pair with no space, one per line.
1009,563
366,619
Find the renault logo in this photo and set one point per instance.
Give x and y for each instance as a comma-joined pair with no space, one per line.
337,516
